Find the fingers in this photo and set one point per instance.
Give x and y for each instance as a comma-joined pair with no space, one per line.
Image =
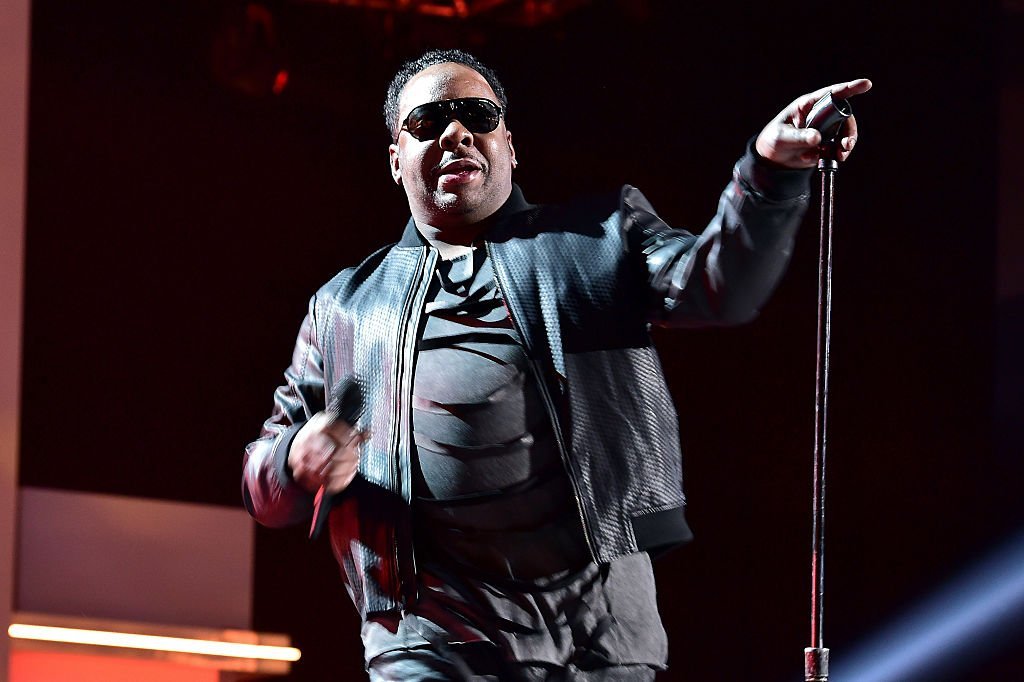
786,142
799,138
340,430
323,448
850,88
797,110
849,140
788,146
796,113
325,452
843,90
344,464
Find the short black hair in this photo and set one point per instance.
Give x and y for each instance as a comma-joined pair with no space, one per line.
428,59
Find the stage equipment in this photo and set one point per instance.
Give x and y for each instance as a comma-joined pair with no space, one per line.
827,116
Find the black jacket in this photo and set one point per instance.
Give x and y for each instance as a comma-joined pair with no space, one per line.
582,283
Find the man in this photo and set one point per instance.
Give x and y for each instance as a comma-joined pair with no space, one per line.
514,455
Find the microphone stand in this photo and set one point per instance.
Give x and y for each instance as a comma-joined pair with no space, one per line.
827,116
816,655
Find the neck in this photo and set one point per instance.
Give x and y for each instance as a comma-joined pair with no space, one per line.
453,236
452,242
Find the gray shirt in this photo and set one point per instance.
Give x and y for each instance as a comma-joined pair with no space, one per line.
498,540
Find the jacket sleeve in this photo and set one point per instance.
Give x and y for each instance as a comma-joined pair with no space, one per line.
270,493
724,275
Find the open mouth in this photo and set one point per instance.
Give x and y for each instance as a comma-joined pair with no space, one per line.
458,172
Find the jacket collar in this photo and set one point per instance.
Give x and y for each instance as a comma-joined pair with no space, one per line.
515,203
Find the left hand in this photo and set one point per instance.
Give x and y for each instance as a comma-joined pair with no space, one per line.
325,453
786,142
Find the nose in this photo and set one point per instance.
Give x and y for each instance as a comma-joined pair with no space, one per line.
455,134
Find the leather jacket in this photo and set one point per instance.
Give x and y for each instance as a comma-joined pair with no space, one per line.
582,282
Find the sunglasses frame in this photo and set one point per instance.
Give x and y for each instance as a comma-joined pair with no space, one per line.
449,109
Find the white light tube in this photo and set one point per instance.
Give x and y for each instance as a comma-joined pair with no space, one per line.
127,640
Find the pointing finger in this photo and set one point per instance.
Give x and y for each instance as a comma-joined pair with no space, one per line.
851,88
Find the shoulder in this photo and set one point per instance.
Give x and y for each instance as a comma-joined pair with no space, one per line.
352,281
632,199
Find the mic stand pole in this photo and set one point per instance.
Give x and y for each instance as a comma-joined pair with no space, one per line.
827,116
816,655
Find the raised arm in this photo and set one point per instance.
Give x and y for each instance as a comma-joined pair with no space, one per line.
727,273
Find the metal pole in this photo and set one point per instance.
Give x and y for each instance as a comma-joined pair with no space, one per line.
816,655
827,116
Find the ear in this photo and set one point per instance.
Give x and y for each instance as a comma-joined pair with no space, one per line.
396,164
508,138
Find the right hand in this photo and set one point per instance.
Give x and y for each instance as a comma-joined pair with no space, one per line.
325,452
785,141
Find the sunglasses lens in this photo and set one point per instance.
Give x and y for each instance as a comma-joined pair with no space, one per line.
426,121
479,115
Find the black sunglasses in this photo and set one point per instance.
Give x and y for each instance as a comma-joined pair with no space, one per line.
427,121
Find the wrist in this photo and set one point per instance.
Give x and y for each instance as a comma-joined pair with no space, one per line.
282,452
771,179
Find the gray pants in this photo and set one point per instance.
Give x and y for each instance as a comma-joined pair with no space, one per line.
483,663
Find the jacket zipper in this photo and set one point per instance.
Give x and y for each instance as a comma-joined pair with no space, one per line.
400,408
549,404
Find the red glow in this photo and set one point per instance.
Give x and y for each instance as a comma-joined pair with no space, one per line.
40,666
280,81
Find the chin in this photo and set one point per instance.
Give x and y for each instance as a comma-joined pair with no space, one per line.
453,204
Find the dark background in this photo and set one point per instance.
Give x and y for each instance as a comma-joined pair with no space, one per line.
180,214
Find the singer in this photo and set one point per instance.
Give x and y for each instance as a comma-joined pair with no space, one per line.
511,459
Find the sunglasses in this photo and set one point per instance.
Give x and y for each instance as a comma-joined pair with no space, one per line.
428,121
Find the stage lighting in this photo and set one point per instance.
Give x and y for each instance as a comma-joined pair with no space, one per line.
948,632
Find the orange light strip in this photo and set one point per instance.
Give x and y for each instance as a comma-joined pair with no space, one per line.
128,640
